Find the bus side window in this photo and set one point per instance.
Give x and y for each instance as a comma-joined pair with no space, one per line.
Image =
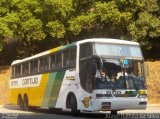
13,71
86,50
31,67
46,63
25,68
41,65
58,61
72,57
18,70
34,66
66,58
53,61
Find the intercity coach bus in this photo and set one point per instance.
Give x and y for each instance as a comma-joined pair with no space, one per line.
91,75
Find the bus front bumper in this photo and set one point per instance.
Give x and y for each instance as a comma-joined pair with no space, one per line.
119,104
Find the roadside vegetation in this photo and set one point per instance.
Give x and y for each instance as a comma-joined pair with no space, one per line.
4,84
28,27
153,82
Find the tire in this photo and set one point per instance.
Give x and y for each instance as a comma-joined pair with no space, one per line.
26,108
20,103
73,105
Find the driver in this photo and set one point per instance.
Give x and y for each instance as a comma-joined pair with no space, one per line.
105,74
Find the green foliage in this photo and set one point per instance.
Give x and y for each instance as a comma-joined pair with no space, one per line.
81,22
108,11
56,29
32,29
59,7
34,22
4,29
147,24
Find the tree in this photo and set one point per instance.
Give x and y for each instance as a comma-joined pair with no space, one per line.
38,25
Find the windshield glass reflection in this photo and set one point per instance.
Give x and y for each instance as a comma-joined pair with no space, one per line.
116,74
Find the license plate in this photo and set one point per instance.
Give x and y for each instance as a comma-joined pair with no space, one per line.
106,105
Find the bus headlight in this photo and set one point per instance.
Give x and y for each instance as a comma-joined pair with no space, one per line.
142,93
142,96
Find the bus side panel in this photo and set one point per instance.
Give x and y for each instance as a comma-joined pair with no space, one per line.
48,88
36,94
68,85
15,92
52,89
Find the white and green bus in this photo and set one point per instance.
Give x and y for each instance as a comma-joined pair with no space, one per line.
90,75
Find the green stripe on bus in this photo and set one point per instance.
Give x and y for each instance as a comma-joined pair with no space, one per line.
48,89
56,88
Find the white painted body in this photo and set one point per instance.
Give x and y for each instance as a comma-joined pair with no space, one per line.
74,86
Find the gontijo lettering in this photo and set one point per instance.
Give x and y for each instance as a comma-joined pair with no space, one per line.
30,81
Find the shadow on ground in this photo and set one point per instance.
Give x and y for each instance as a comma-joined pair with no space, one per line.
46,114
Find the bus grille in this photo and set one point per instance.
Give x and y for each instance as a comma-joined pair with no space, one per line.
124,95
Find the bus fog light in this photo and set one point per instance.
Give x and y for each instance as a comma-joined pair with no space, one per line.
142,103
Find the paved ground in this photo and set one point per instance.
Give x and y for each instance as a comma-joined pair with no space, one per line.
13,112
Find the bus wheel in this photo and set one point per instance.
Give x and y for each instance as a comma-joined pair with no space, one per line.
114,112
73,105
26,108
20,103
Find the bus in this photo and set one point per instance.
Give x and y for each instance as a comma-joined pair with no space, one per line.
91,75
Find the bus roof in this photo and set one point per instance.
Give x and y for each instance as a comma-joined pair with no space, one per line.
103,40
44,53
108,40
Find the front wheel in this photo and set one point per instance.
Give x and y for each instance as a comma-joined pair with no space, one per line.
73,105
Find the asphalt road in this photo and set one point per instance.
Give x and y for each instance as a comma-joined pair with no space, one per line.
13,112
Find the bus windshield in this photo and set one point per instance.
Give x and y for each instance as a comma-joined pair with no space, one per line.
103,49
119,66
116,74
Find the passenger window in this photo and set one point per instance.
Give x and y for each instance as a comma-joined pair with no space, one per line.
34,66
86,50
44,64
13,71
58,61
53,62
25,69
66,59
41,65
72,58
18,70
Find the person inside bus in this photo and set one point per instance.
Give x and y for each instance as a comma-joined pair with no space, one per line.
101,78
106,74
